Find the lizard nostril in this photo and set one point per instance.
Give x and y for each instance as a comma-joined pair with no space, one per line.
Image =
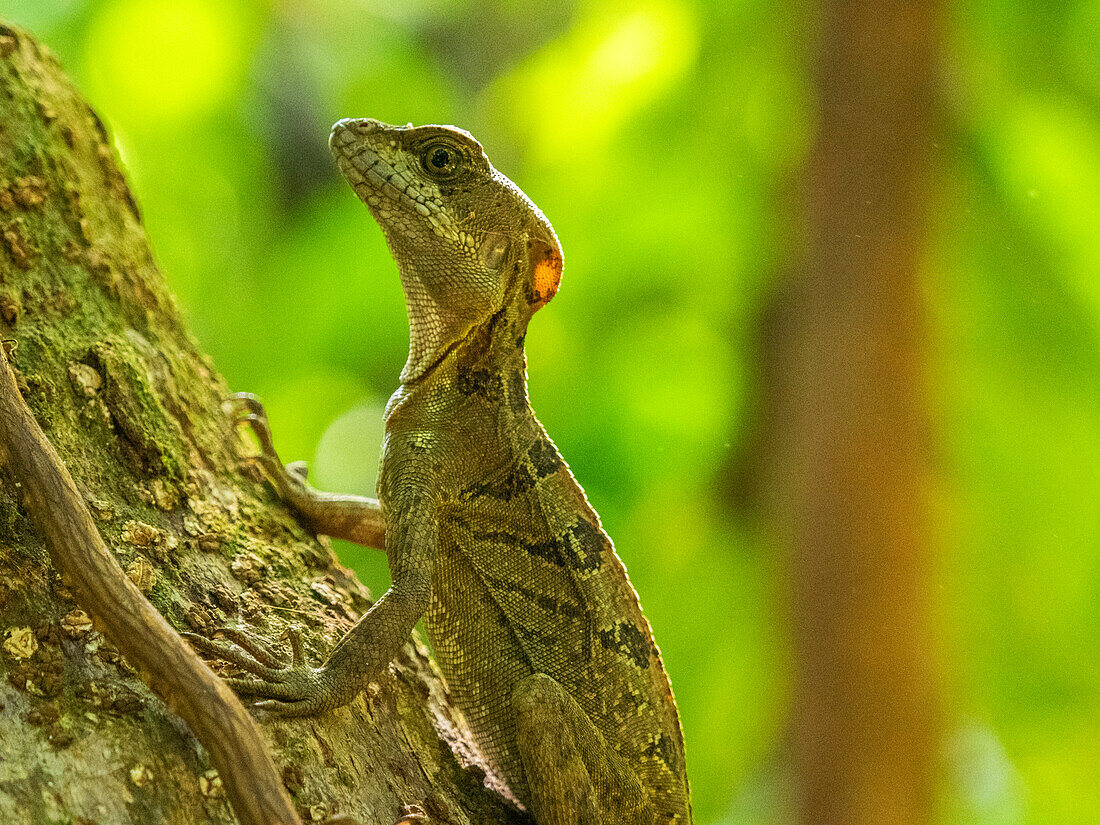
349,130
366,125
362,126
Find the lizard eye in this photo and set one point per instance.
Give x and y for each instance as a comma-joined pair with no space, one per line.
440,160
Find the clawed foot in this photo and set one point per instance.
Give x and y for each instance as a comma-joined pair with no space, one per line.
293,689
289,480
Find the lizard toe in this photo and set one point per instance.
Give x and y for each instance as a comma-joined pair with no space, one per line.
256,646
298,469
246,401
268,688
288,709
239,656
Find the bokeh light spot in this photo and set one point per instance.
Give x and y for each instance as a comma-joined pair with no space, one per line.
151,61
586,84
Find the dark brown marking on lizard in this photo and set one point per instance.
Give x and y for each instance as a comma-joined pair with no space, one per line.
584,546
517,391
628,639
550,550
579,548
544,457
661,748
557,607
479,382
517,480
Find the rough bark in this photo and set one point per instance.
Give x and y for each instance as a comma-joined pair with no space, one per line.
133,408
119,610
852,426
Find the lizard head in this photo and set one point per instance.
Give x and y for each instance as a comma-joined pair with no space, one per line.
467,242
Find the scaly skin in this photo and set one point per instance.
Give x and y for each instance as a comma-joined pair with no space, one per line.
489,537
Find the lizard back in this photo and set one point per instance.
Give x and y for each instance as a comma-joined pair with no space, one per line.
543,590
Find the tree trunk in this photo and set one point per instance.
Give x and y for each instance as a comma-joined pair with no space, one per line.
852,422
133,408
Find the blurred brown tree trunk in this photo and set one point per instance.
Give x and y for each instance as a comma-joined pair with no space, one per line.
852,422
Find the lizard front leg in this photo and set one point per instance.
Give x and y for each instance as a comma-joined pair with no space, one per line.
353,518
574,776
297,689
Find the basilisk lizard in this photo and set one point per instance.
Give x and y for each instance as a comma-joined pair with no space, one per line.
531,616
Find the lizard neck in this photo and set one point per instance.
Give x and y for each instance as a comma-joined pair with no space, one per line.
487,367
463,328
444,316
432,330
495,351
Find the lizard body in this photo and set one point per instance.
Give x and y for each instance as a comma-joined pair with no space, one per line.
489,537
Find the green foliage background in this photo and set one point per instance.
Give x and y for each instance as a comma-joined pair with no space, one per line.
664,140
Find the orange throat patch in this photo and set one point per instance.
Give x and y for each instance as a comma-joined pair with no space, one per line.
547,276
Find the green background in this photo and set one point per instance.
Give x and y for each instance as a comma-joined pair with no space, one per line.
664,140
